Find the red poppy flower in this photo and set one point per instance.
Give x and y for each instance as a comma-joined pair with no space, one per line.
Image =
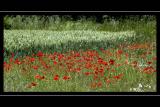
78,69
87,73
37,76
32,59
39,54
108,81
149,62
119,52
69,57
150,68
118,76
88,65
101,70
88,58
4,63
31,84
96,72
101,49
77,55
7,66
55,63
111,62
55,53
66,77
126,55
56,77
35,67
60,57
104,63
10,60
46,66
99,84
12,55
17,62
95,77
96,68
100,60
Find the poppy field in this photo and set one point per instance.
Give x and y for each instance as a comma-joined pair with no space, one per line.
79,61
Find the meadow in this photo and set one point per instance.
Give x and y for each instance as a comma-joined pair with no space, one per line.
62,55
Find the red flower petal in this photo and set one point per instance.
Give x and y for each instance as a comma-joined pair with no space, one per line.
111,62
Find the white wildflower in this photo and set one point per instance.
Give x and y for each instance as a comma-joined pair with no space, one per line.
140,85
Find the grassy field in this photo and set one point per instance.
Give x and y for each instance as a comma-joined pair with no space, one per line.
80,56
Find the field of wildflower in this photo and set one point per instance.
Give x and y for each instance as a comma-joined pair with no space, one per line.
83,60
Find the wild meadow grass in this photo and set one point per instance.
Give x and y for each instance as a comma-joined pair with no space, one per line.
79,56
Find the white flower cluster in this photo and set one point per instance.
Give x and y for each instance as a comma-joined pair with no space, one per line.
137,89
20,38
140,88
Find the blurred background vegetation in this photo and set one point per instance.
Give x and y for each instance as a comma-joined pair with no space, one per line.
141,24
